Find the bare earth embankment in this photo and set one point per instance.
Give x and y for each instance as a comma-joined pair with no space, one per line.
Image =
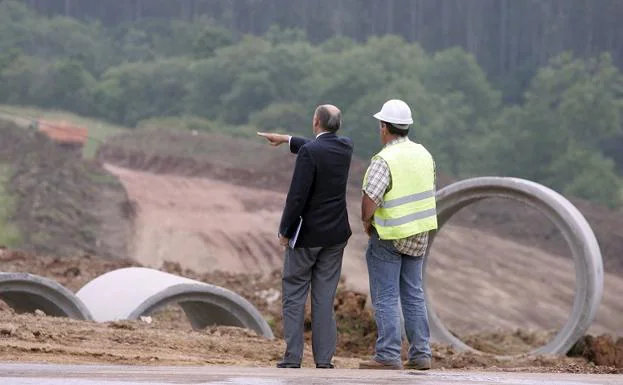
63,204
221,212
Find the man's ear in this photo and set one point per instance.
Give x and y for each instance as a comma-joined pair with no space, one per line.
383,128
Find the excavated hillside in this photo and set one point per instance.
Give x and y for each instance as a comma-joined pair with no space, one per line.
213,202
251,164
62,204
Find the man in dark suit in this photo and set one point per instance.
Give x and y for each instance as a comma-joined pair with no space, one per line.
317,195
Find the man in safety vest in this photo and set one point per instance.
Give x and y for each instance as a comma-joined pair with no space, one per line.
398,210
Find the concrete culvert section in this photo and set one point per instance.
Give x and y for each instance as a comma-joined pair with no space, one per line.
26,293
573,226
133,292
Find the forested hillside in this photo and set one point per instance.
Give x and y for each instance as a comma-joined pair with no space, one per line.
523,88
509,38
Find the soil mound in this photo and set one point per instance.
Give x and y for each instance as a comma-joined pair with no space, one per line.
65,205
602,350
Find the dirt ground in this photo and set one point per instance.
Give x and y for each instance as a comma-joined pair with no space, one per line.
58,340
201,222
169,339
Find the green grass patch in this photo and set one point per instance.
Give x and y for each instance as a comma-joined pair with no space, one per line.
98,130
103,179
173,123
196,123
9,233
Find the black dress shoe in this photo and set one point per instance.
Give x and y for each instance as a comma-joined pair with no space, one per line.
288,365
325,366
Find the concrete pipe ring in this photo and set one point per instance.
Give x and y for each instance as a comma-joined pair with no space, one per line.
132,292
567,218
206,305
26,293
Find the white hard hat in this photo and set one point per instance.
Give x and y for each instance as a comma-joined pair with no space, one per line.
395,111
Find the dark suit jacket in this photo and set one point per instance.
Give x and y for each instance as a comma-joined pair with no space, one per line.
318,191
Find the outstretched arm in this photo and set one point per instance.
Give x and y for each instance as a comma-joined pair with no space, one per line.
295,142
275,139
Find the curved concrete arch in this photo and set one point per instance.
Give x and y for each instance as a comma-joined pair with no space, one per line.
575,229
130,293
26,293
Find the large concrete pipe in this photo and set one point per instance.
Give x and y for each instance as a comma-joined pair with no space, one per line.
26,293
575,229
133,292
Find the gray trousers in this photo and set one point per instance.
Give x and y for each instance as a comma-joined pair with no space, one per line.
319,267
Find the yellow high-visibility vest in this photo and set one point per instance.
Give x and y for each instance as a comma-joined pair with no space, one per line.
409,207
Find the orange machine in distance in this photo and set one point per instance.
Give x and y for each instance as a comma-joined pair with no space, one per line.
64,133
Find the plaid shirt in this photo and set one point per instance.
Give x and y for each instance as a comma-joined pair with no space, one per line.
378,184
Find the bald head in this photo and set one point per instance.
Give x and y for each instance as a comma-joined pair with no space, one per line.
329,117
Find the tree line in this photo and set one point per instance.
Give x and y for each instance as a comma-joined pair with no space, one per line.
562,128
510,39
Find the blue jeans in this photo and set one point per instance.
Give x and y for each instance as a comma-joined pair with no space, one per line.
396,281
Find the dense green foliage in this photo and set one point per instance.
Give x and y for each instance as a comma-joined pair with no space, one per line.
509,38
564,130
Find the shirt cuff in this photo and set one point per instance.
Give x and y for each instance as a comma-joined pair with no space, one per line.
377,200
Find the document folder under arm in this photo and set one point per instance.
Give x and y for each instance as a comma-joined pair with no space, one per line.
292,242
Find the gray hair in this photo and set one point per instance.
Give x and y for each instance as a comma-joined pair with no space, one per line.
330,121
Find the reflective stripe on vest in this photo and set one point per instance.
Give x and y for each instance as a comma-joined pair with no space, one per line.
409,207
406,219
409,198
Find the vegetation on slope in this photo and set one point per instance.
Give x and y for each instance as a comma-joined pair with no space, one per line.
9,233
98,130
54,202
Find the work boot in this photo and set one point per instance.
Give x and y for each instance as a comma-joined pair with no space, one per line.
374,364
422,363
325,366
288,365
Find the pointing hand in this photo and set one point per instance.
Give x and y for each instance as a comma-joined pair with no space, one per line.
274,139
